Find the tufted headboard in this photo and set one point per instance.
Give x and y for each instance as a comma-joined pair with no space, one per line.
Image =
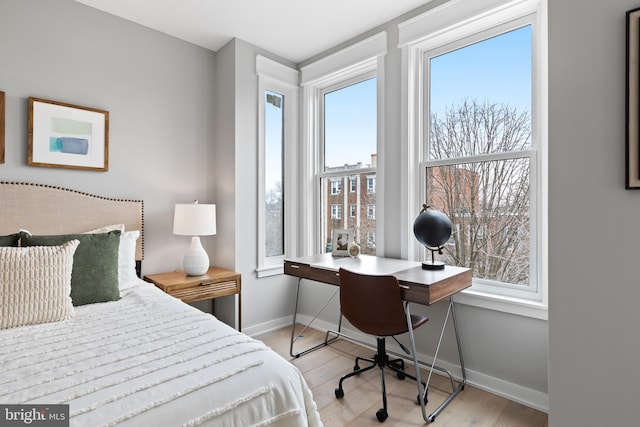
45,209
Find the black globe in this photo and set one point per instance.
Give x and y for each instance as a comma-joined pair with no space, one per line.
432,228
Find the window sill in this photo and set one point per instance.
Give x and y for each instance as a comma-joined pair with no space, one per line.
270,270
517,306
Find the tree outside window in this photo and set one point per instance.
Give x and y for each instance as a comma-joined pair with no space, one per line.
480,154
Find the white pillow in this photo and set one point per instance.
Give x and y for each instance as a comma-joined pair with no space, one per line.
35,284
127,275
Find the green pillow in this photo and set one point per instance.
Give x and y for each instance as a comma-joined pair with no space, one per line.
10,240
95,264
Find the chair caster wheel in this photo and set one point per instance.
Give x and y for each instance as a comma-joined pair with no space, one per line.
425,399
339,393
400,376
382,414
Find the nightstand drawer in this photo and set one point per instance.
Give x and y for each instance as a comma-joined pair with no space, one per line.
203,290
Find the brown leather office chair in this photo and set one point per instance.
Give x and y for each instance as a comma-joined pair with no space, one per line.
373,305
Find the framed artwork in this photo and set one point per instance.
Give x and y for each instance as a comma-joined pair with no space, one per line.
67,136
340,239
632,152
1,128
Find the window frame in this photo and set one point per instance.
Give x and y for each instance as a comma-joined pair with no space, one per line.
336,211
371,185
358,62
336,187
453,24
371,212
276,77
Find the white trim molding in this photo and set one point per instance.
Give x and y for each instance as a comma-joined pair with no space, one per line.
460,14
353,55
279,78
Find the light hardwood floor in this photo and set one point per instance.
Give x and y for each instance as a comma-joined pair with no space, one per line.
322,370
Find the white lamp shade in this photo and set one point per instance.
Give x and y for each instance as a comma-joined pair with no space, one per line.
194,219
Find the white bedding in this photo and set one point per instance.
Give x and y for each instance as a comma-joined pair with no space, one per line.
150,360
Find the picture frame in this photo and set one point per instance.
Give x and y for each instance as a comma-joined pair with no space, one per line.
632,120
340,240
62,135
2,121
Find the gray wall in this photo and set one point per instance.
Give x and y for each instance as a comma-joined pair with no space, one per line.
266,302
159,92
593,238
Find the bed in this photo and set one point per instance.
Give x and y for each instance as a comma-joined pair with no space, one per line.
139,358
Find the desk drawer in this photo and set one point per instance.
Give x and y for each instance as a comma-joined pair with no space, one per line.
305,271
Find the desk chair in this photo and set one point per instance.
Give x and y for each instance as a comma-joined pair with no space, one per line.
373,305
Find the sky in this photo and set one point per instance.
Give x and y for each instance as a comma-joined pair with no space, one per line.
274,113
495,70
351,124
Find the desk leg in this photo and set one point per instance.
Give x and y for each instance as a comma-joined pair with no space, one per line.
416,363
293,325
422,392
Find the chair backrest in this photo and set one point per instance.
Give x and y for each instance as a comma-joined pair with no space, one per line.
373,304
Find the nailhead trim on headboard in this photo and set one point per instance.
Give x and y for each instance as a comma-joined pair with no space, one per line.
110,199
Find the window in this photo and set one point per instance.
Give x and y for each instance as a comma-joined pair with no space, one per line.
350,140
341,140
371,184
477,107
371,212
371,239
274,173
336,212
481,152
336,186
277,100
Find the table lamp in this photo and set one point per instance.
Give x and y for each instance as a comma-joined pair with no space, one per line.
432,229
195,220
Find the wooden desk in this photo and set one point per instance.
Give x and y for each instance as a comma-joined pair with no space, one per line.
419,286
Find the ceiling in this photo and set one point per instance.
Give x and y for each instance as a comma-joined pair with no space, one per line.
293,29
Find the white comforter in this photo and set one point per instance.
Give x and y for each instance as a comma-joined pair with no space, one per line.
150,360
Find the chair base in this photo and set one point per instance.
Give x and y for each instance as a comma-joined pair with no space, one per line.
381,360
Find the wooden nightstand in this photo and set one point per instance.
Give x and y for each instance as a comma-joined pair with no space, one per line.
217,282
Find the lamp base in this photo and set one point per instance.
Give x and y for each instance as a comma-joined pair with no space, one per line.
196,260
433,265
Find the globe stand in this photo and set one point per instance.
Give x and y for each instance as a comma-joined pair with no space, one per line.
433,264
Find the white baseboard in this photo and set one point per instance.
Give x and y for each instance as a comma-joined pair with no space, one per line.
272,325
526,396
